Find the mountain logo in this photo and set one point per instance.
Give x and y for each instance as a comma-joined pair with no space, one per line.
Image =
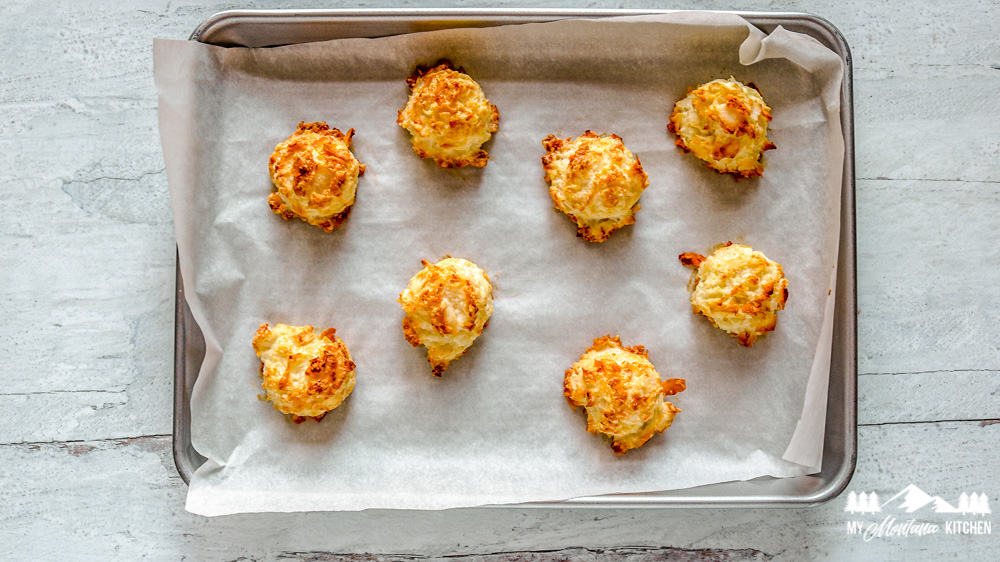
911,499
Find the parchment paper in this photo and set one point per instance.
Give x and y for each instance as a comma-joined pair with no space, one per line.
496,428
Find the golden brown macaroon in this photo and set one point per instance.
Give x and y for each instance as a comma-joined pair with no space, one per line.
447,305
738,289
448,116
622,393
315,174
724,123
595,180
304,374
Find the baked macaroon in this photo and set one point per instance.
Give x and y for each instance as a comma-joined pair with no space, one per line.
448,116
447,305
304,374
621,392
595,180
738,289
724,123
315,175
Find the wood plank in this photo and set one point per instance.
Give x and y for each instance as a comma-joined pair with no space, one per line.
928,125
122,498
927,256
928,396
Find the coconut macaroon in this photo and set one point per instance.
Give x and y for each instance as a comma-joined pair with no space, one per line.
448,116
595,180
304,374
738,289
447,305
316,175
724,123
621,392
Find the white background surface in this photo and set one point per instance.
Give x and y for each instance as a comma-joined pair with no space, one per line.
88,260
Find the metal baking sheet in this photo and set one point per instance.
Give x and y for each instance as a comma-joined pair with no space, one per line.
265,28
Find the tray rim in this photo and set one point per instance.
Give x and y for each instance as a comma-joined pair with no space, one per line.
847,258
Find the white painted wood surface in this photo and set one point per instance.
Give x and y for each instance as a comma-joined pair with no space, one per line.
87,263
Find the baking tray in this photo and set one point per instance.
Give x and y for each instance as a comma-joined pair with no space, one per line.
267,28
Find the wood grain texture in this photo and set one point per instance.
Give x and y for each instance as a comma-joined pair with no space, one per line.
627,554
122,498
923,250
87,254
928,396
